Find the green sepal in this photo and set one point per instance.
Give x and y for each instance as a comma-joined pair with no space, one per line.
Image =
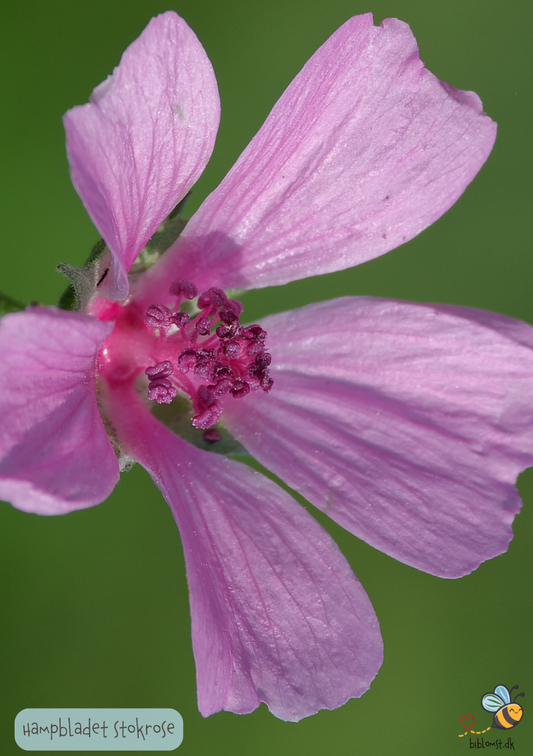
68,299
84,280
164,237
176,213
8,304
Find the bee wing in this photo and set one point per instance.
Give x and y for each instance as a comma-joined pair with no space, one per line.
503,693
492,702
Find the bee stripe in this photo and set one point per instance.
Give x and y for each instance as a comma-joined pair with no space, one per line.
507,718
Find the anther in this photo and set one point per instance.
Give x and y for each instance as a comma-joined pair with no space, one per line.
187,360
227,331
210,301
204,368
225,358
232,349
203,326
161,370
162,391
240,389
183,288
207,408
180,319
158,316
212,436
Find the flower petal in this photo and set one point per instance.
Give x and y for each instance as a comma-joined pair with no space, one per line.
277,614
407,424
363,151
55,456
144,139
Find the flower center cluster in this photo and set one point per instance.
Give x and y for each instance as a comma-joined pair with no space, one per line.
209,355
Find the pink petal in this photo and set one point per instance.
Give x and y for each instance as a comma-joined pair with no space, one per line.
277,614
363,151
55,456
407,424
144,139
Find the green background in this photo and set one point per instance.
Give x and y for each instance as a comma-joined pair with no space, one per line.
94,604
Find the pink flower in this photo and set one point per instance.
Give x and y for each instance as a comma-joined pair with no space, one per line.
405,423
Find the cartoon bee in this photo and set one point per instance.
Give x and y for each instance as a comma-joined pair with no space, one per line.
507,713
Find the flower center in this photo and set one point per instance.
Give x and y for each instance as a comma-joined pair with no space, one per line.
207,355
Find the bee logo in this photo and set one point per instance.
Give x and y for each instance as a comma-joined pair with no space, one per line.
507,713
